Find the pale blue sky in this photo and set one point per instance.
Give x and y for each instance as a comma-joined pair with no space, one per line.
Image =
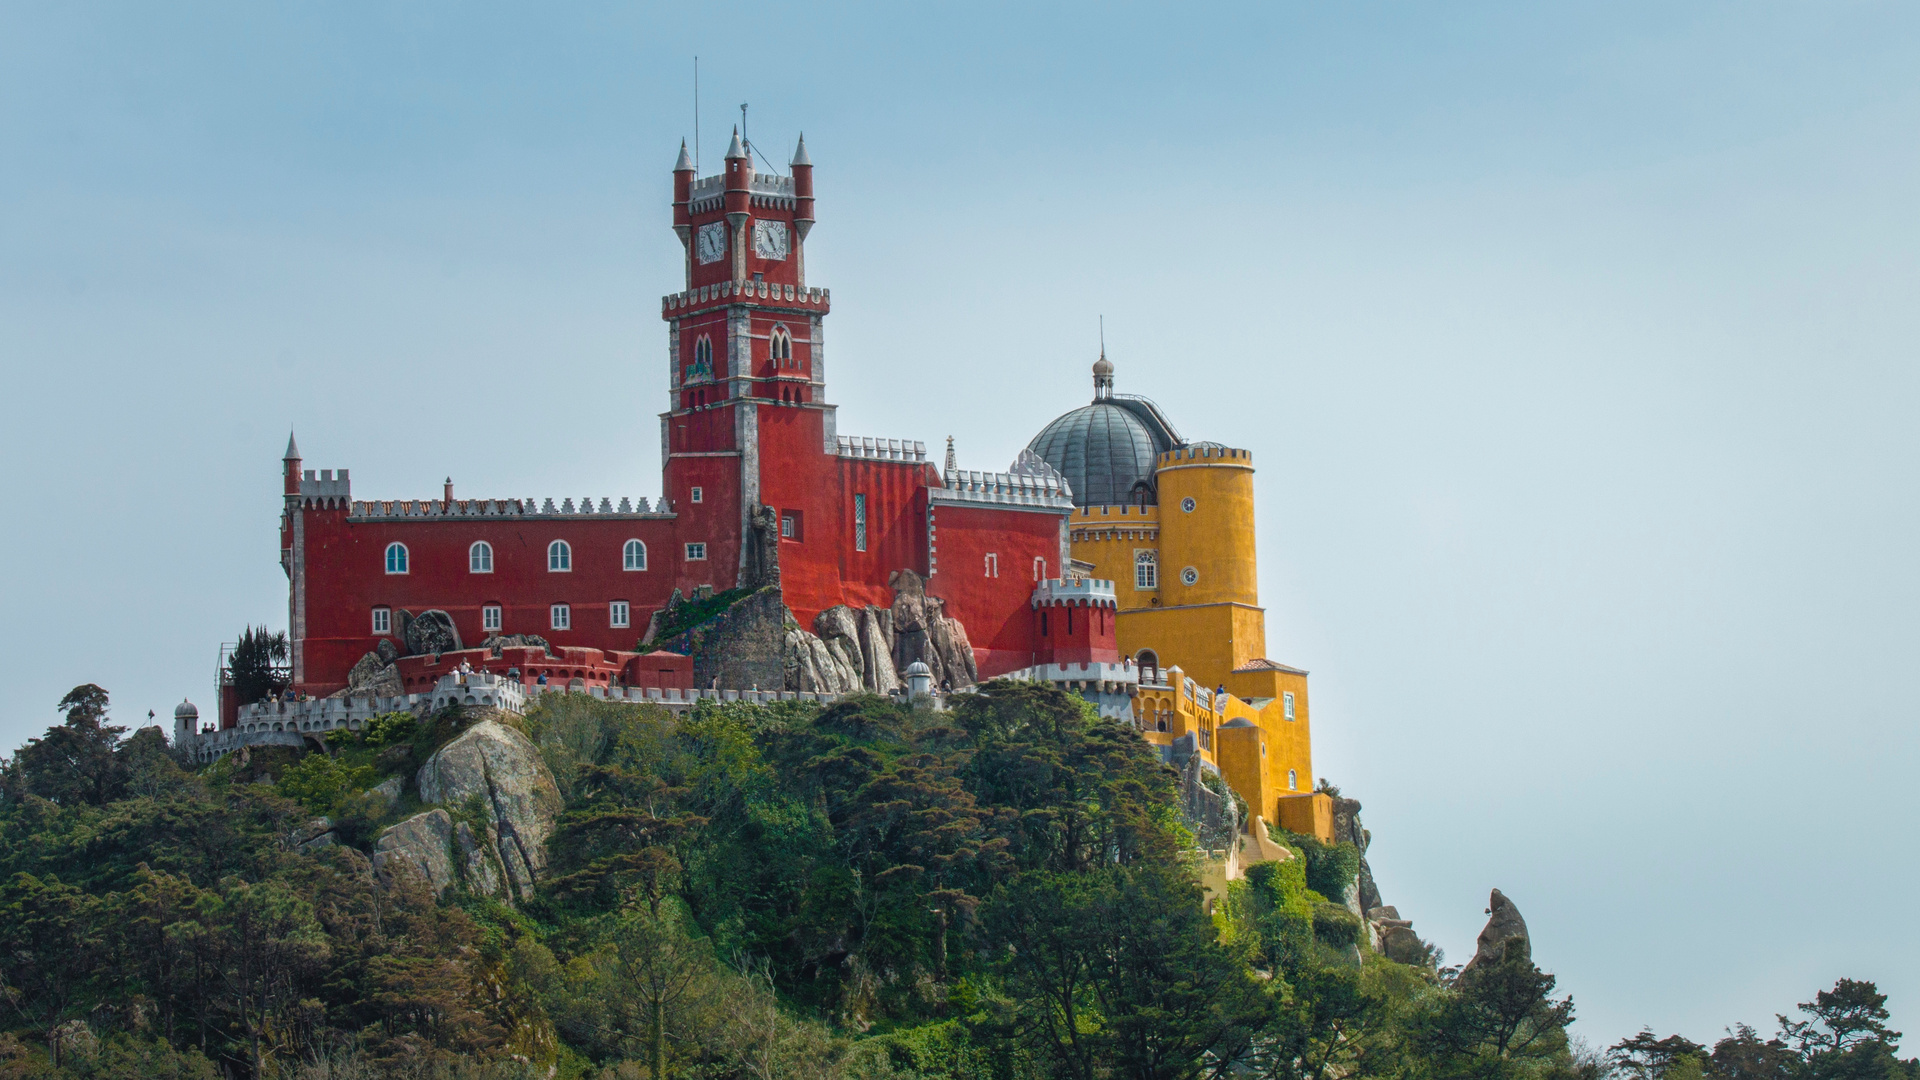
1575,344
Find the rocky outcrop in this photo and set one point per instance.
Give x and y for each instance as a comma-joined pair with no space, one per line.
923,631
755,643
312,836
861,641
1347,829
497,642
389,789
476,864
1207,808
430,632
418,845
500,766
1392,936
809,663
1504,925
372,676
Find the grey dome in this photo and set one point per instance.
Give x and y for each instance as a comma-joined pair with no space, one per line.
1103,450
185,711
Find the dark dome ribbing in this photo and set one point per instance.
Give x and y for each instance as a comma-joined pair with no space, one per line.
1102,450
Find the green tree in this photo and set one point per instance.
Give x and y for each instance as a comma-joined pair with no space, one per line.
49,950
1743,1055
1499,1020
1117,972
264,948
662,969
1845,1035
1646,1057
75,762
256,666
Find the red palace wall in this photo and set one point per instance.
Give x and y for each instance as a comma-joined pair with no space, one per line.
993,600
346,578
788,465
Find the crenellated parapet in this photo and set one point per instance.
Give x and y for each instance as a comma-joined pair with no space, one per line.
1085,592
393,509
728,293
855,446
963,486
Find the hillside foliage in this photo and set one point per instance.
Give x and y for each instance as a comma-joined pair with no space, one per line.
1003,891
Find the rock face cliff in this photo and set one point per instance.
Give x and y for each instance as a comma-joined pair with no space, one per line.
1392,936
1504,926
418,845
757,644
504,770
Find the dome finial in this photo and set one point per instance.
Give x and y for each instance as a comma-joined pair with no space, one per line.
1102,377
1103,368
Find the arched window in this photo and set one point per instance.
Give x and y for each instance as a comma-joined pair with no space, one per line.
480,558
633,556
1146,569
702,366
780,347
1293,780
1039,569
396,558
559,557
1149,662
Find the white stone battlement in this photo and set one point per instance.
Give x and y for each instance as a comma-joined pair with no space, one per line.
1004,489
747,292
1084,592
384,509
856,446
292,723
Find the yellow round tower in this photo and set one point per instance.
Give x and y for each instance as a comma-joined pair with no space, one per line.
1206,526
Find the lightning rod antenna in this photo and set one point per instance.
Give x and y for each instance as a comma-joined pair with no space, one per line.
696,116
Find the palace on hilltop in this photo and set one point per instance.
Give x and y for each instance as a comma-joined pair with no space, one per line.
782,556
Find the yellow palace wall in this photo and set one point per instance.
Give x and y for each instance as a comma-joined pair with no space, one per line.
1209,632
1266,759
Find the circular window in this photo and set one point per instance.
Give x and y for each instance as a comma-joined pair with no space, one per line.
1189,576
1187,504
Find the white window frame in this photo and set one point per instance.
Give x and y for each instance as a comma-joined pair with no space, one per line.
490,617
780,347
696,495
1293,780
859,521
1286,703
1039,568
480,557
993,564
1146,569
696,551
560,617
619,614
627,552
405,561
383,620
559,557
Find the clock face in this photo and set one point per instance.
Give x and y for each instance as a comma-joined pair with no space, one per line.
710,243
770,239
